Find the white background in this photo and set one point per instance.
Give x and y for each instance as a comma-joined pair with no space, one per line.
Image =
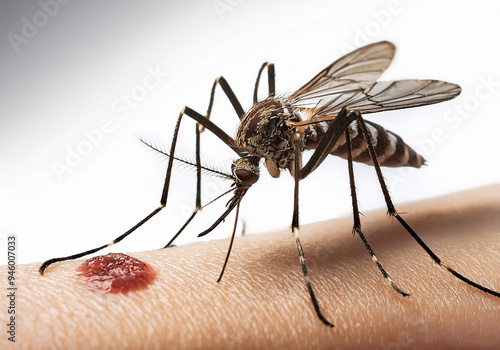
72,72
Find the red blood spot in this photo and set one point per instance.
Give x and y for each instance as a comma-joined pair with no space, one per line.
116,273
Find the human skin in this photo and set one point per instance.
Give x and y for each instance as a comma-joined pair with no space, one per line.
262,301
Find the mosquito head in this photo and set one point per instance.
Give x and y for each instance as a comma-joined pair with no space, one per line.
246,170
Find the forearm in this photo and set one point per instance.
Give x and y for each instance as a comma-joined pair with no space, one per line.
262,300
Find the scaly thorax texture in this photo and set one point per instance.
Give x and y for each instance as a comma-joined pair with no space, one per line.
266,131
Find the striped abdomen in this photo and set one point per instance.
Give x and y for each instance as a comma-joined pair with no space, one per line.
390,148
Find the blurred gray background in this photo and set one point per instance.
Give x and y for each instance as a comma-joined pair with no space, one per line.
81,81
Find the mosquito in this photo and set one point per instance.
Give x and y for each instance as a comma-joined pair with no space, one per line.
326,116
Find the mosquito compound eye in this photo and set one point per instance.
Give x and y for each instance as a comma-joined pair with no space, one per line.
246,176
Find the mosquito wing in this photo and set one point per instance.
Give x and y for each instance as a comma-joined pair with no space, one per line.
389,95
351,82
358,69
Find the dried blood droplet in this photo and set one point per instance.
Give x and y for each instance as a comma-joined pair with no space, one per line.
116,273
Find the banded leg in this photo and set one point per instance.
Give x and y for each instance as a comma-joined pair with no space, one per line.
357,222
336,129
295,229
392,211
270,80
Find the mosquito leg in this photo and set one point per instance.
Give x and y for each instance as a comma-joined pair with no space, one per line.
392,211
163,202
231,205
206,123
49,262
332,135
295,229
231,242
270,80
198,189
203,121
357,222
230,95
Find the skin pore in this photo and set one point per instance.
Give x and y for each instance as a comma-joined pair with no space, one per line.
262,301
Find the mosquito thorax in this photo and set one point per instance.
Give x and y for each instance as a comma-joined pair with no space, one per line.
266,131
246,170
